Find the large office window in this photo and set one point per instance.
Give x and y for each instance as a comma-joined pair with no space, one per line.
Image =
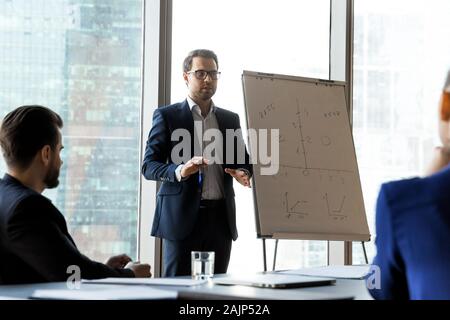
82,58
286,37
402,54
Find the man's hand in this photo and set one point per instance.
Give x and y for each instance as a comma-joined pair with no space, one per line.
118,262
193,166
141,270
441,159
240,176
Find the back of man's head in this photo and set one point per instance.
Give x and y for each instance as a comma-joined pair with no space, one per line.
445,103
25,131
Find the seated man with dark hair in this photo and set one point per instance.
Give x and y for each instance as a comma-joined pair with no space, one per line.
35,245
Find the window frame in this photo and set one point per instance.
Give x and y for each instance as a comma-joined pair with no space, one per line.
156,90
156,74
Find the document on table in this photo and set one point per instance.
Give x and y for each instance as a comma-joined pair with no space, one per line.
340,272
149,281
275,281
123,293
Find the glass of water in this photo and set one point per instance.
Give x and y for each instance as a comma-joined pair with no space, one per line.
202,264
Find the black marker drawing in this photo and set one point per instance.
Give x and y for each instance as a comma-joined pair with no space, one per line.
336,213
294,210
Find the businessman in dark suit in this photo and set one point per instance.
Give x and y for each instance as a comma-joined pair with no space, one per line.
413,228
195,208
35,245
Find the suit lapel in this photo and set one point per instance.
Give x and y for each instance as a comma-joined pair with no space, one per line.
220,116
221,121
186,119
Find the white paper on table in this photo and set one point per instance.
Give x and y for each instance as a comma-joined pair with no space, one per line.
125,293
149,281
340,272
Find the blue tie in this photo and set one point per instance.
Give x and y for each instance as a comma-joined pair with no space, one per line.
200,180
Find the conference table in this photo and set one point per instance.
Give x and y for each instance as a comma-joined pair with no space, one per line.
343,289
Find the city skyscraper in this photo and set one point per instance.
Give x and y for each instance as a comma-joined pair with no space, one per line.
82,58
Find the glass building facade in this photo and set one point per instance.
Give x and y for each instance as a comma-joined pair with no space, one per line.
83,58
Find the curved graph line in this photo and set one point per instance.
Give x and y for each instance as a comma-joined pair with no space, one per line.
339,211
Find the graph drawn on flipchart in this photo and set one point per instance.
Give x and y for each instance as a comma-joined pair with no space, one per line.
316,193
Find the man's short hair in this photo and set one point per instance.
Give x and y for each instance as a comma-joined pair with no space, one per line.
445,103
203,53
25,131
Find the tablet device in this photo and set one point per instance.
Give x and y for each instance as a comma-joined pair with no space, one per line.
275,281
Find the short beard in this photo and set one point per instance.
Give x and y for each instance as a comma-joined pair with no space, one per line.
51,180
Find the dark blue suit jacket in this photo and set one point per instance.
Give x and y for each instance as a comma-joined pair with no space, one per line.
413,238
178,202
35,245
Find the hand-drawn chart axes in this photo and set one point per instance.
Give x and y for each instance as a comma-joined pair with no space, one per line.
336,213
302,140
292,210
316,169
325,141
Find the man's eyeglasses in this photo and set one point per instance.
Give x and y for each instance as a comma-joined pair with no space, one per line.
202,74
